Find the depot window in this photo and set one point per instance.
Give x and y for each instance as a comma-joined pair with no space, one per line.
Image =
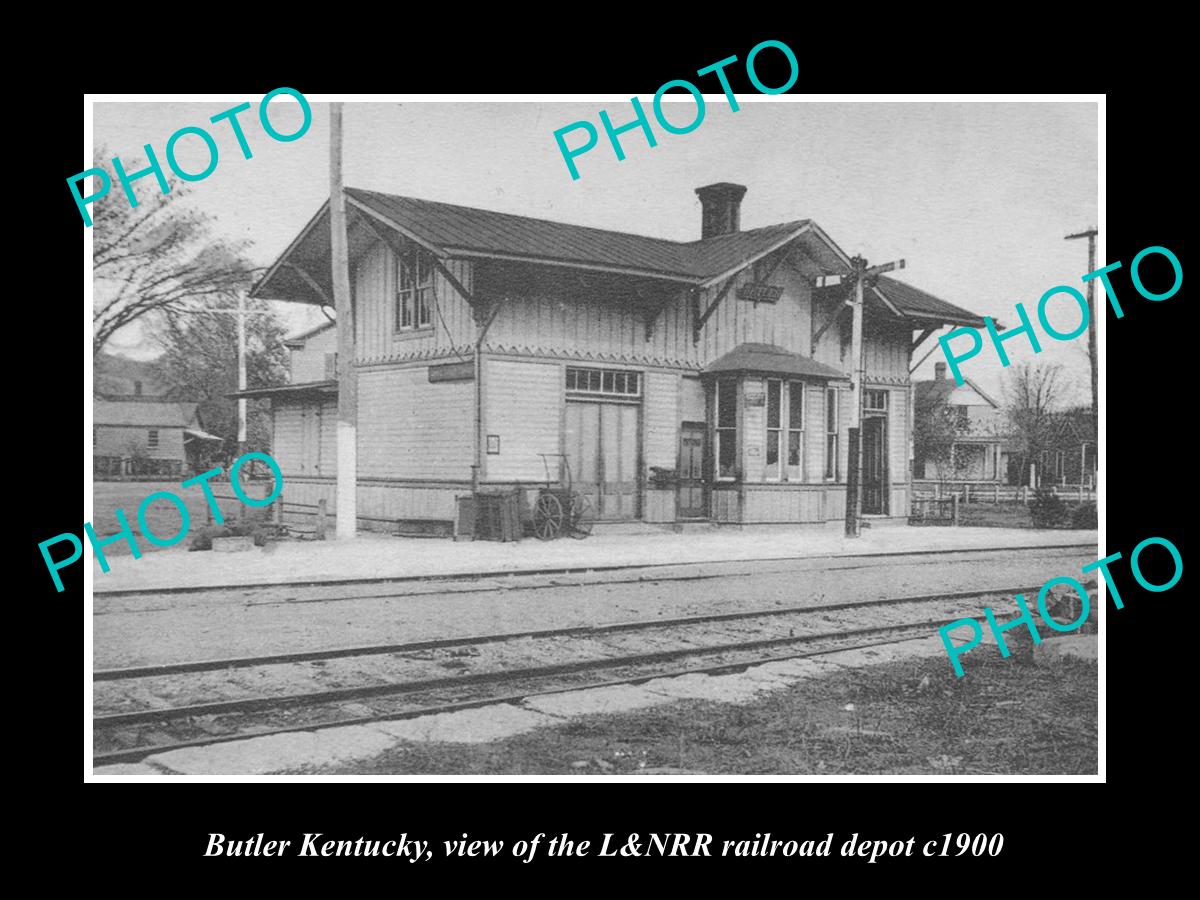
831,434
414,289
726,431
785,431
611,382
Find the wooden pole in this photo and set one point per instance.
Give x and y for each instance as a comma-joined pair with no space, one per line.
241,363
854,499
347,463
1093,322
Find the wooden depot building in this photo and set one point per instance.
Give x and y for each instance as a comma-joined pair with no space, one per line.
707,380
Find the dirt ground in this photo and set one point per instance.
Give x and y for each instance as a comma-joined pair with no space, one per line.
162,516
912,717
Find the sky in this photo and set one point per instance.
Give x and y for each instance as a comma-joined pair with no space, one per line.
976,197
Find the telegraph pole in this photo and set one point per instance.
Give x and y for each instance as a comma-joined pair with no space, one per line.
1094,323
347,464
862,273
241,313
241,342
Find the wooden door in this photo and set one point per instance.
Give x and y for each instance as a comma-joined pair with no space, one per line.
602,448
874,465
691,472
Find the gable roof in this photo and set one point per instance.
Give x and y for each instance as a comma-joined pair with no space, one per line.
917,303
452,231
770,359
941,388
143,413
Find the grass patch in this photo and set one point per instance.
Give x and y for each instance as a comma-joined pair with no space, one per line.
910,717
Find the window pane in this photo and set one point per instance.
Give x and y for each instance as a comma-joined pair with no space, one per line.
404,270
774,389
632,382
831,410
608,382
571,379
594,380
772,473
424,268
405,311
831,456
795,405
793,449
726,403
726,452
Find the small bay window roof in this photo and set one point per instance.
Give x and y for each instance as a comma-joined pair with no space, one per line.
770,359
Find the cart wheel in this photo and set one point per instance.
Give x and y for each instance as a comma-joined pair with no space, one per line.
582,518
547,517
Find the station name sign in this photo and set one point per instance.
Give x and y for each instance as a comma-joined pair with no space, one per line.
759,293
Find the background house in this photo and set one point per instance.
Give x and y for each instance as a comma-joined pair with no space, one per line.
981,448
484,340
136,431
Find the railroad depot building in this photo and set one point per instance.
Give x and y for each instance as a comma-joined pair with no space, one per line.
707,380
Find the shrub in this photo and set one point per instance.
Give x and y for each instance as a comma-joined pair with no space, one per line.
1048,510
1084,516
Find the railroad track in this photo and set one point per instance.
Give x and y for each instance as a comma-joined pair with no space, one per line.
151,709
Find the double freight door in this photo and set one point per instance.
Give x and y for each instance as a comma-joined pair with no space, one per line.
602,449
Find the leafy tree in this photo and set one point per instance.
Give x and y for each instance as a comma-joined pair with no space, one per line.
157,257
199,362
936,426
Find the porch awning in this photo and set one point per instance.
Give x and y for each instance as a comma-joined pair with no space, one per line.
195,434
308,389
769,359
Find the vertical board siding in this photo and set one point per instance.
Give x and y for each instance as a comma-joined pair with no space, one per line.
375,311
692,402
661,419
409,428
898,436
754,436
286,446
523,404
814,433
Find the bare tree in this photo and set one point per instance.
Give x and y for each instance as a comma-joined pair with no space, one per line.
1032,394
200,362
159,256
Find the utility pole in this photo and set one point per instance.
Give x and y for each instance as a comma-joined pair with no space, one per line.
861,274
241,342
347,428
1094,322
241,313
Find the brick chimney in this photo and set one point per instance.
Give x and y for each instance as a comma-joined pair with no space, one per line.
939,371
722,203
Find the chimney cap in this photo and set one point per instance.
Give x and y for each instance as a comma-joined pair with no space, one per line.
722,188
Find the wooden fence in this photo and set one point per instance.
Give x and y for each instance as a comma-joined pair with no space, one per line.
991,492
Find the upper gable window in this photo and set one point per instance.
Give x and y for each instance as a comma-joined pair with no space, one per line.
414,289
